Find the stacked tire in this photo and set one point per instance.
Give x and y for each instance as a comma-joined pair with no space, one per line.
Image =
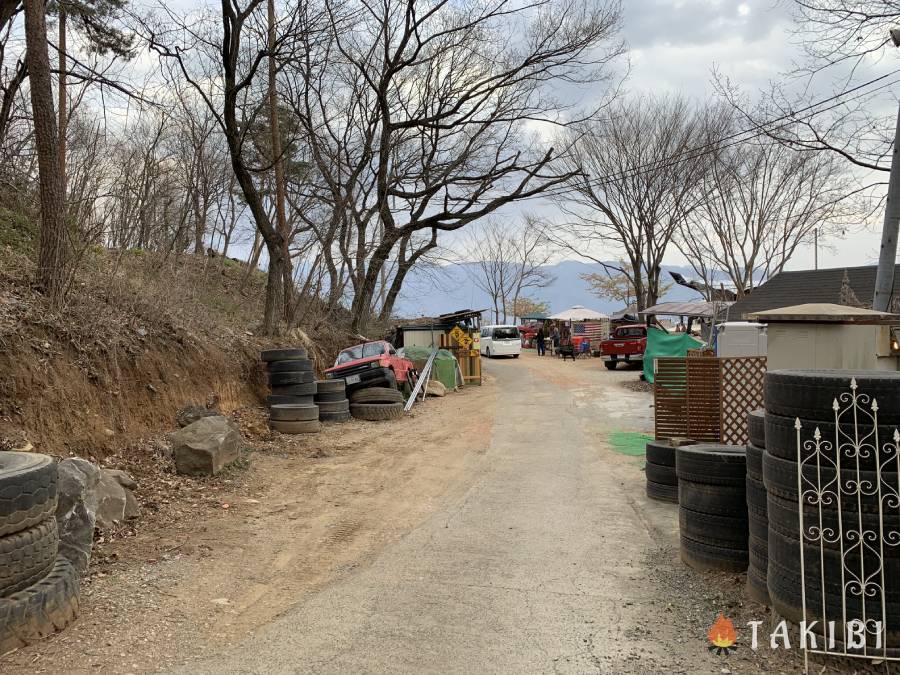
662,481
38,587
292,408
809,396
331,398
376,404
712,506
757,510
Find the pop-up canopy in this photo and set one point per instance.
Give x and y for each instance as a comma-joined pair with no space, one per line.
579,313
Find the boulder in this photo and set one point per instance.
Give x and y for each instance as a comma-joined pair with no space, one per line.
76,510
193,412
132,508
205,447
110,501
436,388
122,478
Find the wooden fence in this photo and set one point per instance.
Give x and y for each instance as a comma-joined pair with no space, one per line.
706,398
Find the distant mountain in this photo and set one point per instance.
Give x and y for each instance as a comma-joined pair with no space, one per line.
430,292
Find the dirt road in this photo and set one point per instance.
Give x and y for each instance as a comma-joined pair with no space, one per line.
494,531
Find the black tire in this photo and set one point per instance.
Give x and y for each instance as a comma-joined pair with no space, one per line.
664,475
706,557
275,399
759,551
294,413
269,355
295,427
712,463
756,497
809,394
27,490
758,528
41,609
754,461
713,530
331,386
781,436
780,478
756,427
660,452
27,556
784,518
330,407
308,389
334,417
757,588
291,379
376,412
721,500
331,396
662,493
610,365
487,352
376,395
298,366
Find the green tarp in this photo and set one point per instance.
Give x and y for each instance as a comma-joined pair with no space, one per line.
444,368
661,343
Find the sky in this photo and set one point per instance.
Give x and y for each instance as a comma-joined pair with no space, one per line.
675,45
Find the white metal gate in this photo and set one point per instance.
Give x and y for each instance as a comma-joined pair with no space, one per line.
845,508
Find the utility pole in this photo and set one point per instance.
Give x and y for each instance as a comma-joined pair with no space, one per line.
816,247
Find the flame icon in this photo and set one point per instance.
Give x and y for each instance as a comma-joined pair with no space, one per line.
722,636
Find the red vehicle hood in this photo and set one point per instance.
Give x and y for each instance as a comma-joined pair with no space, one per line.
354,362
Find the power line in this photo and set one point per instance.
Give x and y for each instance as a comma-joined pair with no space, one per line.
755,132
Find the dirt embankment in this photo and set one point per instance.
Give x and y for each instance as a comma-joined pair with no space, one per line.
140,336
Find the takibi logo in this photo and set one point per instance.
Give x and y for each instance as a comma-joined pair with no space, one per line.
722,636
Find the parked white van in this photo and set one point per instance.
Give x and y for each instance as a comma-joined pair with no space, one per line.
501,341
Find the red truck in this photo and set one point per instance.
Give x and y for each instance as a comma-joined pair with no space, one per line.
626,344
372,364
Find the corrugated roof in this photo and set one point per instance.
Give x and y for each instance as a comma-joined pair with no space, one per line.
826,312
685,308
811,286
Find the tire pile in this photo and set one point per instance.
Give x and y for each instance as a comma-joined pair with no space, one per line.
38,587
292,408
809,396
712,511
331,398
757,509
662,481
376,404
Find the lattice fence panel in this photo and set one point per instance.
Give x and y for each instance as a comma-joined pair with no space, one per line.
742,391
703,399
670,398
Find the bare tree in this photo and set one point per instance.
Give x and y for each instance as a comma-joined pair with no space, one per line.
53,254
628,195
415,114
759,202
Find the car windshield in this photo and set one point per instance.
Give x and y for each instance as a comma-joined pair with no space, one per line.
506,333
349,355
373,349
631,332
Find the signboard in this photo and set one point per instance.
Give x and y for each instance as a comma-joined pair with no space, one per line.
457,334
465,342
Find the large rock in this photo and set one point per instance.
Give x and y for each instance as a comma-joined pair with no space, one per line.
110,501
193,412
205,447
436,388
76,510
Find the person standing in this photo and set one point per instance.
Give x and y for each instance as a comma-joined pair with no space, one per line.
541,344
556,339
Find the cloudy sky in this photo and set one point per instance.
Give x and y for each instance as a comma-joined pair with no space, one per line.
674,46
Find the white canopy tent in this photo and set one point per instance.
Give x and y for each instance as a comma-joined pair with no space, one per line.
579,313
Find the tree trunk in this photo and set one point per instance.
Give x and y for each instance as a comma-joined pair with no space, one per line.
274,310
53,252
280,209
63,103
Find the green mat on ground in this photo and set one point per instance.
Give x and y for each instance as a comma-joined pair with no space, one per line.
631,443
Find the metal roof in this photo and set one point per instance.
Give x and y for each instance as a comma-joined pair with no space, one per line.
818,312
704,309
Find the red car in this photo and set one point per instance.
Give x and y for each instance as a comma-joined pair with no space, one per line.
626,344
372,364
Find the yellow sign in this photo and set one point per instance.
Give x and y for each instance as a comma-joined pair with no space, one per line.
458,334
465,342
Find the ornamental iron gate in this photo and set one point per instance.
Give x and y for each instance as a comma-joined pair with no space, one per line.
849,526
